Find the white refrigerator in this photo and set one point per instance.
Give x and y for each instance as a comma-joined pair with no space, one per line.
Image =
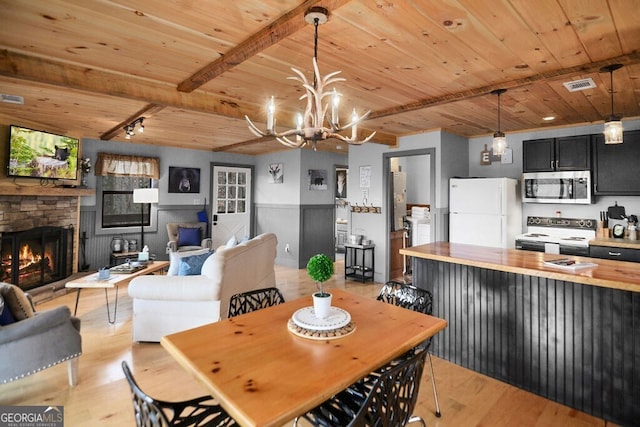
484,211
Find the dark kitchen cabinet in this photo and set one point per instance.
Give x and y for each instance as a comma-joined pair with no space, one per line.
619,254
615,171
557,154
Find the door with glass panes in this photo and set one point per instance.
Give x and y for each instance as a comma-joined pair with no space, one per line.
231,204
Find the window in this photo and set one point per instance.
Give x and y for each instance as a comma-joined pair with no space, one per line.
118,209
119,175
232,192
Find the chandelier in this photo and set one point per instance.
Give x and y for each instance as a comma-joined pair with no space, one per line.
314,125
613,123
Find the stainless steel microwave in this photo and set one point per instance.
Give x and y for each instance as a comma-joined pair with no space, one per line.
557,187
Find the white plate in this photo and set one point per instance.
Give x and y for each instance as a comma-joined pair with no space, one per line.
306,318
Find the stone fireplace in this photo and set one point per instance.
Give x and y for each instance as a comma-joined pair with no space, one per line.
38,239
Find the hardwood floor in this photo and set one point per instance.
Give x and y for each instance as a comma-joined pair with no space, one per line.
102,396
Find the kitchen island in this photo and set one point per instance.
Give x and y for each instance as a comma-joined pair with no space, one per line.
566,335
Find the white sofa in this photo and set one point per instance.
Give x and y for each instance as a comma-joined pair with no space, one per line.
164,305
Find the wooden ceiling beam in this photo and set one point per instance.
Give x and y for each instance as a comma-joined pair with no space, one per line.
379,138
146,111
279,29
231,147
155,94
629,59
24,67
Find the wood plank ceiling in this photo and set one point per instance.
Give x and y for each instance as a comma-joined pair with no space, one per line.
194,68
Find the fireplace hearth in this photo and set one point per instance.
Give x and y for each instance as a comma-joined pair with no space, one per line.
35,257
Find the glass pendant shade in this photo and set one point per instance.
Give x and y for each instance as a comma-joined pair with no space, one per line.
613,131
499,143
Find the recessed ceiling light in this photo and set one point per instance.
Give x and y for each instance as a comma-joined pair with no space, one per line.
548,118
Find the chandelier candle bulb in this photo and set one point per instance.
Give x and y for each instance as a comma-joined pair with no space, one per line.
354,128
299,127
271,109
334,107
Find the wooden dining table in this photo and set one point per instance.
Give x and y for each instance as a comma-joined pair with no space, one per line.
263,374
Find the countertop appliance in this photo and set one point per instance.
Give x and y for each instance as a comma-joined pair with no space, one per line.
557,187
484,211
569,236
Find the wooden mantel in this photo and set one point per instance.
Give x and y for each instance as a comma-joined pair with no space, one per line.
10,188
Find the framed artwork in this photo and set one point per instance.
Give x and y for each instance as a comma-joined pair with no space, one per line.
341,183
317,179
184,180
276,173
365,176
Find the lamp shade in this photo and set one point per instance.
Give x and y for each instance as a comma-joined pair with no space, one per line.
145,195
499,143
613,131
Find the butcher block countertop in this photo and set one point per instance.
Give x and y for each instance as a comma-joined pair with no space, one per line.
621,275
615,243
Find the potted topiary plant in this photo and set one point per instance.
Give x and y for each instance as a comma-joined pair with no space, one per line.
320,269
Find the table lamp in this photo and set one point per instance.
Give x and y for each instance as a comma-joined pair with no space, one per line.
142,196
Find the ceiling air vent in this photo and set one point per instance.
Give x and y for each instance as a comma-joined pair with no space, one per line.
582,84
12,99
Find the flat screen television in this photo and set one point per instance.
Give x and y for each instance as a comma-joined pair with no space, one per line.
40,154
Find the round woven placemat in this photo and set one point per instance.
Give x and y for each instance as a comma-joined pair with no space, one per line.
321,335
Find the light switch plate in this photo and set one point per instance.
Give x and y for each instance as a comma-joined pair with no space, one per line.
507,157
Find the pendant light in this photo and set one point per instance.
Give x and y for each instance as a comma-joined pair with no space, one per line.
499,139
613,123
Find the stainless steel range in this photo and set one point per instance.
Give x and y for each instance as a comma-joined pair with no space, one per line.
569,236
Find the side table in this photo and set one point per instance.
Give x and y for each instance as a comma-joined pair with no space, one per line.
359,262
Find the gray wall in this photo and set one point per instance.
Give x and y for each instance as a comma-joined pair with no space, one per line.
418,171
279,207
173,207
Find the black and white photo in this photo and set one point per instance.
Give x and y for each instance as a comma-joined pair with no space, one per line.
184,180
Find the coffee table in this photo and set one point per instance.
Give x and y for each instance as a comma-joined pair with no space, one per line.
91,281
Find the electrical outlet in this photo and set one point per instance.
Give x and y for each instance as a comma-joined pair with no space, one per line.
287,249
167,250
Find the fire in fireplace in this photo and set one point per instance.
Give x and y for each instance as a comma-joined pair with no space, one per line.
35,257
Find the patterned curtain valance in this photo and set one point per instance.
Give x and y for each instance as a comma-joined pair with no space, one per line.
125,165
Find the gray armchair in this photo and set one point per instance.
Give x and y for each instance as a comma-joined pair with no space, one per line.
38,341
185,237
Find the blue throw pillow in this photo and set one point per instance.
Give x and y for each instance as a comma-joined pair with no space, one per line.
192,265
189,236
6,318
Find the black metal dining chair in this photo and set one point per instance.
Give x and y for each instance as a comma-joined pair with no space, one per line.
245,302
199,412
416,299
388,401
